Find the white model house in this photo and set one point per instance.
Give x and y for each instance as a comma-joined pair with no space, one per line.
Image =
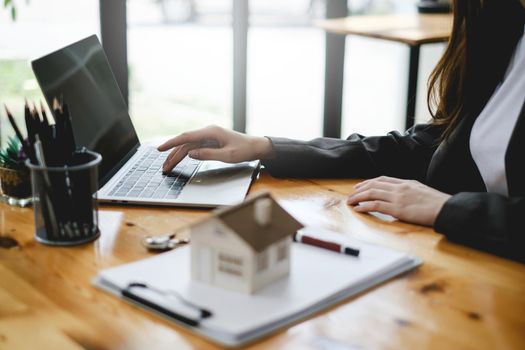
245,247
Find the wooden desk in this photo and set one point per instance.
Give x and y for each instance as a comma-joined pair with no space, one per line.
459,298
412,30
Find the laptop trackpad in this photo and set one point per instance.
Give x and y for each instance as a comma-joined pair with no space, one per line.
210,170
219,183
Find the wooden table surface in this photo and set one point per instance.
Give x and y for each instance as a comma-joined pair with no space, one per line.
415,29
458,299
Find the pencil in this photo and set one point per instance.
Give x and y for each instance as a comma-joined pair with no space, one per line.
57,108
44,114
13,124
17,132
30,125
48,204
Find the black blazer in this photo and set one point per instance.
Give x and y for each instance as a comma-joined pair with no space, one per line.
472,216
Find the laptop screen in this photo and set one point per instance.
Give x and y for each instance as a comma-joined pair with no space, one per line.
81,74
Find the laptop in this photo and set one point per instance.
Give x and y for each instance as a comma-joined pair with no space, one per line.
130,172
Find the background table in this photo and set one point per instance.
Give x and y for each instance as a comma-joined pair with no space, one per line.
412,30
458,299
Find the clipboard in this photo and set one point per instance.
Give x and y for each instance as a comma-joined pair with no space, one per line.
318,279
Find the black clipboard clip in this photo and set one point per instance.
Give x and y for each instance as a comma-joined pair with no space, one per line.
194,322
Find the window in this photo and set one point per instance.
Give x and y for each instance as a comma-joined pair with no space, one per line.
218,231
180,57
230,264
282,251
40,28
285,69
262,261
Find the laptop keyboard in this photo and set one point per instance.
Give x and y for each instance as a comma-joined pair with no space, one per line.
145,179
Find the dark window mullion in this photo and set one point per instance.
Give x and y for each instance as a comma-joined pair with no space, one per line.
113,30
240,16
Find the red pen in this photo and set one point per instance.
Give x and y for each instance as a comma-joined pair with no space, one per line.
335,247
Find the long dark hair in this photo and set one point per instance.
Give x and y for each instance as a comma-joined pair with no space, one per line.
484,35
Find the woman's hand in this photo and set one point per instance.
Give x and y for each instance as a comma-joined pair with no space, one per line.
215,143
407,200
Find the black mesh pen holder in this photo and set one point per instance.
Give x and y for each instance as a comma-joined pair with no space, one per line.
65,200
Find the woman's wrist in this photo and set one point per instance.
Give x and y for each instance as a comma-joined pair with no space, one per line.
263,147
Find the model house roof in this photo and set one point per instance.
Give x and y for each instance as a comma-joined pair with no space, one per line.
242,220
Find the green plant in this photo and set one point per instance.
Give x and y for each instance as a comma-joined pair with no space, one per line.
10,5
12,156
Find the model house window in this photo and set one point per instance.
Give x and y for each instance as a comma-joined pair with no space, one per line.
219,232
282,251
230,264
262,261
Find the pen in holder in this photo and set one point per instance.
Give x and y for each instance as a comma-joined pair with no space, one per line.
65,199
